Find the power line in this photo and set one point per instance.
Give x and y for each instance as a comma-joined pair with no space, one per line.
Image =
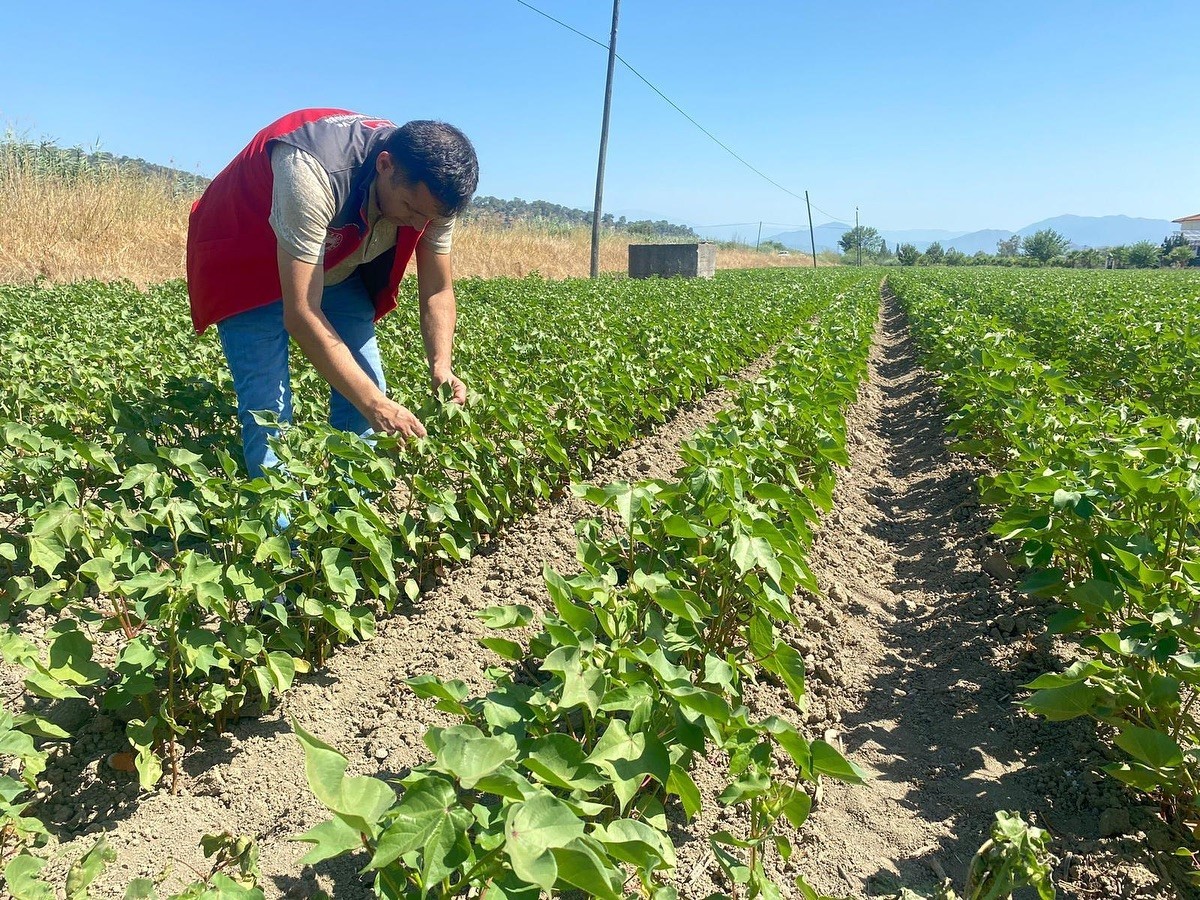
676,107
831,215
747,224
586,37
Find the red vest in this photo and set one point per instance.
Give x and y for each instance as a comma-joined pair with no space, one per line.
231,247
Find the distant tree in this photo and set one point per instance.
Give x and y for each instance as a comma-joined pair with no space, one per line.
772,247
1084,258
1010,247
981,258
934,254
955,257
1120,256
1171,241
1044,245
861,237
907,254
1144,255
1181,256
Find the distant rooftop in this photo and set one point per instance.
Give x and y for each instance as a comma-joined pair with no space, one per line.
1195,218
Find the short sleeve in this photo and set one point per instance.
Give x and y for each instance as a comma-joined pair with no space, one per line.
439,235
302,203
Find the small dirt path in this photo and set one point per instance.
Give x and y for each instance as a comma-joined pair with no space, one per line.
252,781
923,647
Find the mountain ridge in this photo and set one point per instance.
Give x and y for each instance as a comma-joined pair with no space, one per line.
1081,231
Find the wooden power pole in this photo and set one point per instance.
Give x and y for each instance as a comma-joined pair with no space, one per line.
811,237
612,62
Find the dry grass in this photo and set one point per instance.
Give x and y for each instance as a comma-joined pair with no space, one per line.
486,251
71,226
67,226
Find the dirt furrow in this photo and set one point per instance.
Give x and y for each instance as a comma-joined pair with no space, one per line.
252,781
921,647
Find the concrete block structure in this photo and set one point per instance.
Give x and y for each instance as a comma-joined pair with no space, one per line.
665,260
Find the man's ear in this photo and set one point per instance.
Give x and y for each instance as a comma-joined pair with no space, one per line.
384,163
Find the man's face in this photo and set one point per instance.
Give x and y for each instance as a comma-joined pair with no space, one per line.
399,202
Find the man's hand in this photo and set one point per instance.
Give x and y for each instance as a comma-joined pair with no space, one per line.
389,417
458,390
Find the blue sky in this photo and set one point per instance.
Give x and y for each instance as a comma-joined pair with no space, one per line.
954,115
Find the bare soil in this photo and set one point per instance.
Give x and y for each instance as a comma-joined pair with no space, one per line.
921,648
916,652
252,781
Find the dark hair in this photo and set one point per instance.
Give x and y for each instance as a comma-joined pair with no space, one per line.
438,156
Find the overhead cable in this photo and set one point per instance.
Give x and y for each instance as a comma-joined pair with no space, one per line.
674,105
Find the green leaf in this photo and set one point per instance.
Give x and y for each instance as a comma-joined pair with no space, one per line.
339,573
583,688
70,659
21,878
501,617
559,761
141,889
826,760
684,604
1150,746
36,725
579,866
707,703
534,827
468,755
332,838
433,687
1073,674
429,817
1044,583
578,617
1135,775
680,783
504,648
793,743
86,869
629,758
359,800
282,667
788,664
677,526
636,843
1060,703
797,808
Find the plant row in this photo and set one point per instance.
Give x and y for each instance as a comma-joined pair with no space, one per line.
154,581
1100,501
1130,337
574,770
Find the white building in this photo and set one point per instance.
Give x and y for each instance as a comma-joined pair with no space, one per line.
1189,227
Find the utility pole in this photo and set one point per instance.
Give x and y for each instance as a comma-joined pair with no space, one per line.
857,236
811,237
759,240
612,62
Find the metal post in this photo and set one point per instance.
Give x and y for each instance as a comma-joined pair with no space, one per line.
612,62
857,236
811,237
759,240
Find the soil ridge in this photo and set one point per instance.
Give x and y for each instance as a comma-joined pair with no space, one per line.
923,644
252,781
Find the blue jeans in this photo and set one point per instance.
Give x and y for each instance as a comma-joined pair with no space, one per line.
256,347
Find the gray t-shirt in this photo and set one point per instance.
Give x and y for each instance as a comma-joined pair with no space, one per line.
302,207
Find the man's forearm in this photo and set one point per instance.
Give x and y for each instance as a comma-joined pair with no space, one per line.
302,285
439,317
332,358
